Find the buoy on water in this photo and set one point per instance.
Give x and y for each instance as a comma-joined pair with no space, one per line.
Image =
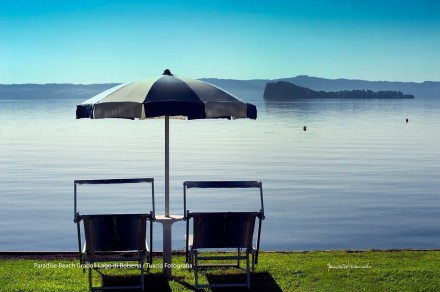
304,128
407,120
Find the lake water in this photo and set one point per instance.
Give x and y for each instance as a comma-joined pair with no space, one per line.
360,177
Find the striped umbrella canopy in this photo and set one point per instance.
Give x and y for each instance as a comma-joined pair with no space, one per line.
167,96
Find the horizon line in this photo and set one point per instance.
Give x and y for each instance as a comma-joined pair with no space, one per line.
255,79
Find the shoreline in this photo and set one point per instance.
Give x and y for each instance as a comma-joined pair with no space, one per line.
56,255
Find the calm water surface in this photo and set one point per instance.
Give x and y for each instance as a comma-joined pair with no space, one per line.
358,178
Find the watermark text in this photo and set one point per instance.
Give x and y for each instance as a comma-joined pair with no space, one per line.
347,266
121,265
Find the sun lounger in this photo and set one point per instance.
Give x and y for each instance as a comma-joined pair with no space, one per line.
222,230
110,237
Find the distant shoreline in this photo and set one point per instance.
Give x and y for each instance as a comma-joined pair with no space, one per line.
48,255
51,91
249,90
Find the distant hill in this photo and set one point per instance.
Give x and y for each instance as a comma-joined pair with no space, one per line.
249,90
283,90
427,89
52,91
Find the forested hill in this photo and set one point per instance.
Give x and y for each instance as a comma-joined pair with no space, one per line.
283,90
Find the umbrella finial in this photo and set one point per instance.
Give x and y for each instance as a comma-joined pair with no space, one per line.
167,72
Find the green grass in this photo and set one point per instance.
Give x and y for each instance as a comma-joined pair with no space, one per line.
292,271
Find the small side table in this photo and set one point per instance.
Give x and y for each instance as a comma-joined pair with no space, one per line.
167,222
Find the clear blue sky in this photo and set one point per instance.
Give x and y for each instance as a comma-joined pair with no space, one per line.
116,41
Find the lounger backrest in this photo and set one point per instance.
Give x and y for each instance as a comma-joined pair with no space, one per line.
223,184
223,229
115,232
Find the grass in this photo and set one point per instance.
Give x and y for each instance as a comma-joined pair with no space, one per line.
290,271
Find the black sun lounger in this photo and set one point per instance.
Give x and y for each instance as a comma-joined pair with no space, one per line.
222,230
108,237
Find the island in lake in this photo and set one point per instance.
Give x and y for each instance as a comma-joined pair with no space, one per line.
283,90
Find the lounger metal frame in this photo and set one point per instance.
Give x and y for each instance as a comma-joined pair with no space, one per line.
95,254
247,219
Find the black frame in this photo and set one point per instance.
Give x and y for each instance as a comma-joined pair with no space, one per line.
100,246
236,232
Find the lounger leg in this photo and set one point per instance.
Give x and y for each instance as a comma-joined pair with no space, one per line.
90,277
191,259
196,271
253,262
238,259
150,253
142,272
248,272
187,241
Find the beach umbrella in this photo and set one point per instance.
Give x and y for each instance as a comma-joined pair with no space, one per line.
167,96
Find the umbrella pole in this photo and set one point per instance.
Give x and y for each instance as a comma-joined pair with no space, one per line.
167,166
166,222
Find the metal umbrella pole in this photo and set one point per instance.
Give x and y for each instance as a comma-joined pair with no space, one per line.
167,220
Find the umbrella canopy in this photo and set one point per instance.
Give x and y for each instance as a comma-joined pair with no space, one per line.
167,96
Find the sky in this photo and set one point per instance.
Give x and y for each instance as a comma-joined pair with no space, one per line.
99,41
